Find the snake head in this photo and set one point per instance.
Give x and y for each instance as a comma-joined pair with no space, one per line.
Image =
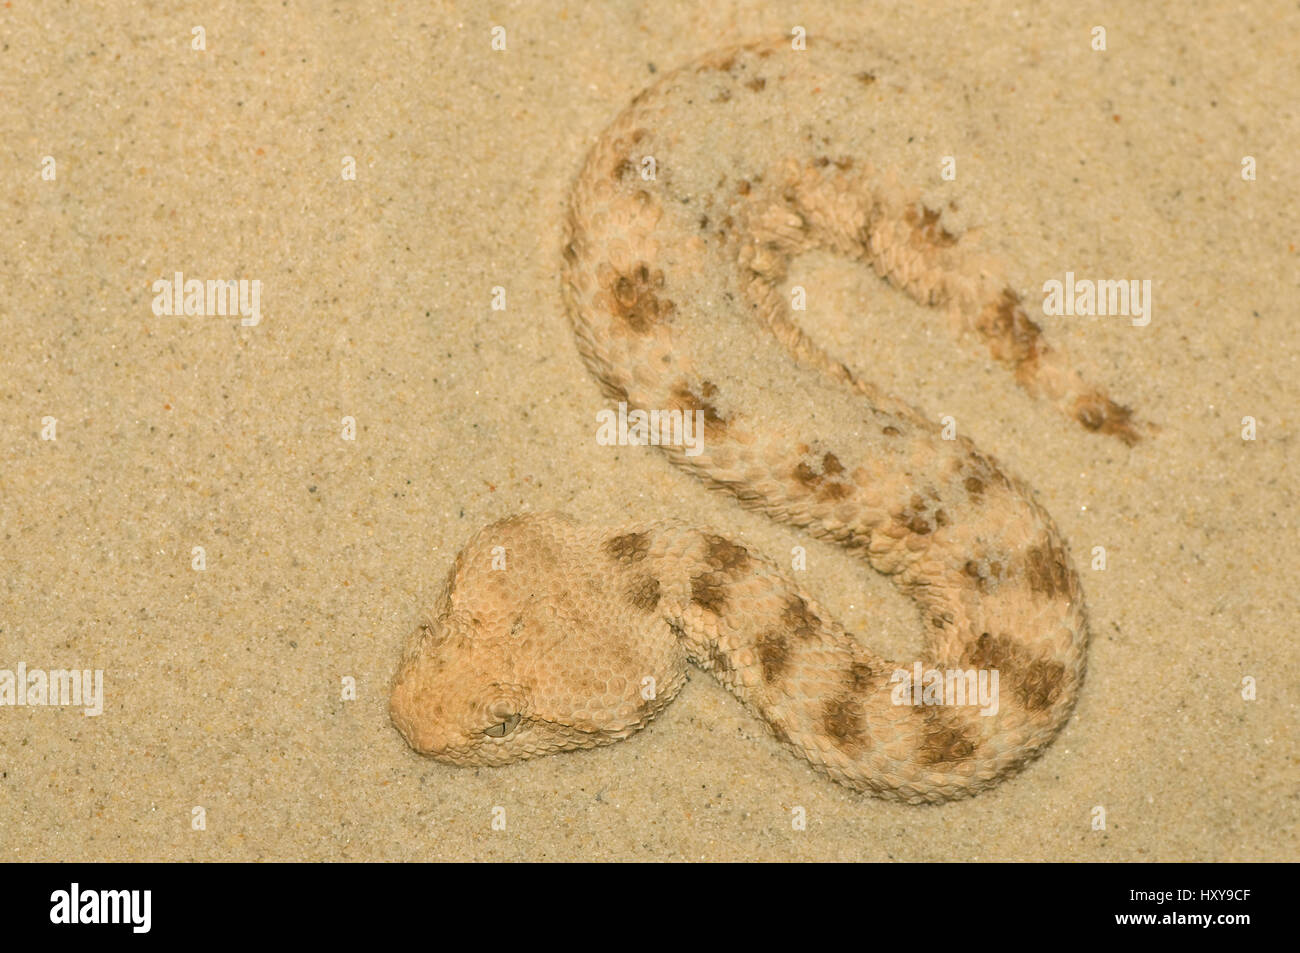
453,699
516,659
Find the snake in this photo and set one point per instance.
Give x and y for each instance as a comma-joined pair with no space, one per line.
552,635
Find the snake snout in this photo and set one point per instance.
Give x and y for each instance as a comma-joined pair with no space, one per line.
417,714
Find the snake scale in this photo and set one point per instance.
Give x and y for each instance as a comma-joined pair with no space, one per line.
551,635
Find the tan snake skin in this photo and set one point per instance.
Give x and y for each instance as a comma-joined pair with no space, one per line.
552,636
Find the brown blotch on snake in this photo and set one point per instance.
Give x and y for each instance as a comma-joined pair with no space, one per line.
773,654
946,739
824,484
628,546
1046,567
799,620
685,399
926,222
1037,682
845,722
708,591
644,593
636,299
725,556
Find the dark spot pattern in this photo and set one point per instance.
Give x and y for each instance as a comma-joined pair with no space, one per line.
830,484
726,560
944,739
625,167
862,679
629,547
844,721
644,593
1102,415
1011,336
916,517
708,591
844,716
1037,683
1047,570
799,620
925,221
773,655
985,574
979,474
722,555
843,163
636,300
687,400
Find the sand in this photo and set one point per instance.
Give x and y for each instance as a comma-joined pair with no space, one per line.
225,731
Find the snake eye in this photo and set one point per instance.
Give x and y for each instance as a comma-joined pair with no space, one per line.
501,729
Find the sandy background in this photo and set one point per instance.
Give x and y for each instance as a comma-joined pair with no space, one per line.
223,686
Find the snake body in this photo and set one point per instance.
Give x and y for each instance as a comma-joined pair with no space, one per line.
551,635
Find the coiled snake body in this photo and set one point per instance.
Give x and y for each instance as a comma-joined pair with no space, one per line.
551,635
